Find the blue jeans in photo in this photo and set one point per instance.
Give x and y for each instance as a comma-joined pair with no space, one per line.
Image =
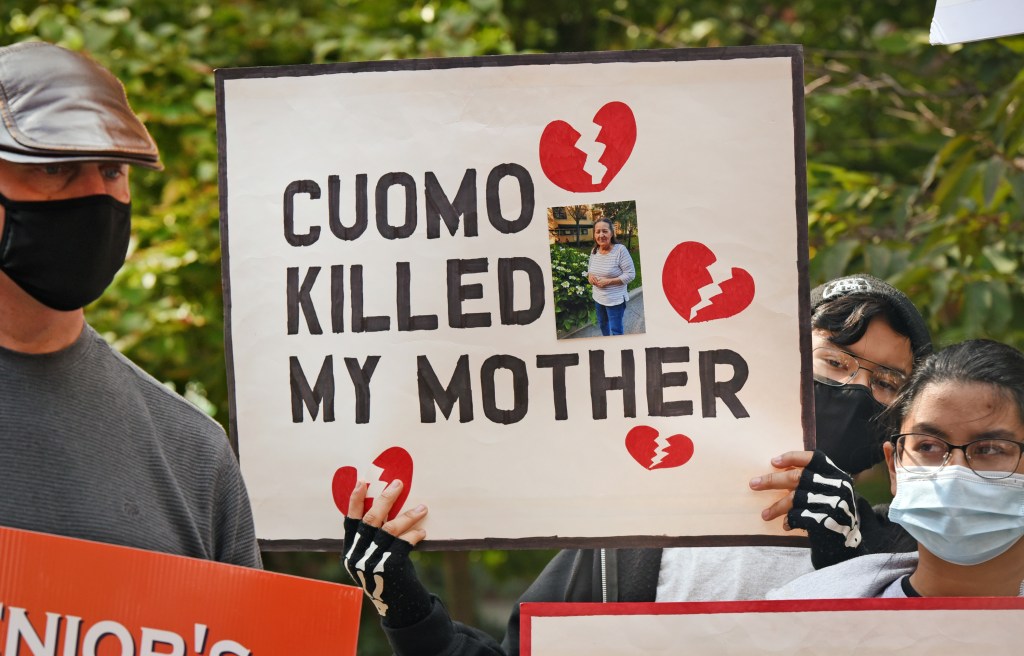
609,318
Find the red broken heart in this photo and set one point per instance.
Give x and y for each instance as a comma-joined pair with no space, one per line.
562,161
395,463
686,272
642,444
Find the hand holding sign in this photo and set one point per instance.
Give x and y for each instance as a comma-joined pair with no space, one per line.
821,501
377,555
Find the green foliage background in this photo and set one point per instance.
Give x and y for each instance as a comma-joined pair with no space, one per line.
915,160
572,292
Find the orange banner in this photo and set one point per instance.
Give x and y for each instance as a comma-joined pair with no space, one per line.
65,597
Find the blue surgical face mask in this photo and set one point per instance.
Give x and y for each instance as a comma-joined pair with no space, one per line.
957,515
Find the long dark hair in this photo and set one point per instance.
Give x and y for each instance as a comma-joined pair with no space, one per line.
611,227
974,361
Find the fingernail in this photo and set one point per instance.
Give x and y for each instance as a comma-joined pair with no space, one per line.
764,514
393,485
420,508
754,482
777,460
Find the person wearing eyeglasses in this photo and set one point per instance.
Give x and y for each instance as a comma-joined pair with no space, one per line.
956,473
867,336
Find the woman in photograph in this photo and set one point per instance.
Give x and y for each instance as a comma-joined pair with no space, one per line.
610,271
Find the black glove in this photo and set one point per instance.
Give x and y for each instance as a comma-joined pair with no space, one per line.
379,563
824,504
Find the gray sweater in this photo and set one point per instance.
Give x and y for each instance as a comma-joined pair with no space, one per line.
94,448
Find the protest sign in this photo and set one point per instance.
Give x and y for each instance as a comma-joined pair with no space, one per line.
401,275
838,627
959,21
73,597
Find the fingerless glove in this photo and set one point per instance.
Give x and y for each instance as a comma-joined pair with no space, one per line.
379,563
824,504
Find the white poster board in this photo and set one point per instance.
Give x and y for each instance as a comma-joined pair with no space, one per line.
949,626
388,233
959,21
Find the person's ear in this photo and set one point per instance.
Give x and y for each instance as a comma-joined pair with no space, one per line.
889,449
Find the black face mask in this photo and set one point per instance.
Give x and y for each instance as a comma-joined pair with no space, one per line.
846,425
64,253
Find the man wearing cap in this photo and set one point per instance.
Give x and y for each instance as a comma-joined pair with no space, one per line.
93,447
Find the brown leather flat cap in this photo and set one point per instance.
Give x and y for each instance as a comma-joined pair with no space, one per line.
59,106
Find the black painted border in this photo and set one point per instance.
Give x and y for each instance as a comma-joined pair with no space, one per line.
793,52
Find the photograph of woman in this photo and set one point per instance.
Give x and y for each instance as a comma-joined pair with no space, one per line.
609,272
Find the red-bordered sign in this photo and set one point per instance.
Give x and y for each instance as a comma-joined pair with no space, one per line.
838,627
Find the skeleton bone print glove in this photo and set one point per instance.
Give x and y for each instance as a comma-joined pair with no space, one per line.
379,563
825,505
